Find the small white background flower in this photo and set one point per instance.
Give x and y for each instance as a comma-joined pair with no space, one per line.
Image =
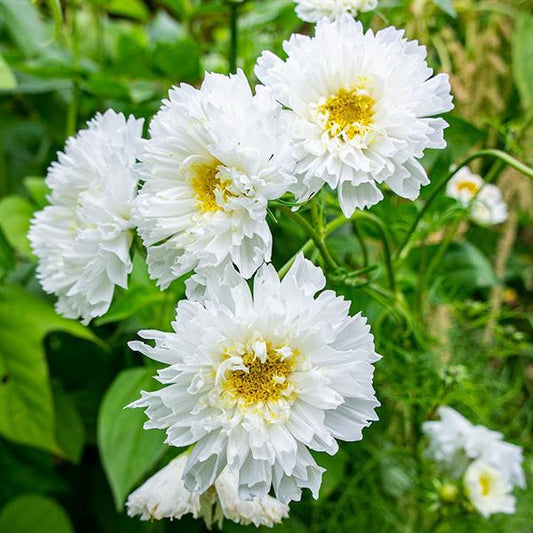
215,157
488,490
257,379
82,238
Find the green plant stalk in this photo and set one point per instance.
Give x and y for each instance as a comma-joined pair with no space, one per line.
502,156
73,107
318,240
360,240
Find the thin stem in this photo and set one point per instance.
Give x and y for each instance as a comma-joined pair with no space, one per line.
315,236
502,156
233,43
73,107
360,240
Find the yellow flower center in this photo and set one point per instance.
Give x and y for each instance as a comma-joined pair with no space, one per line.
264,381
485,482
467,186
349,112
206,182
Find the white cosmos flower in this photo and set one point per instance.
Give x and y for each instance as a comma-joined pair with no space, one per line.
215,157
484,200
453,440
362,110
488,490
164,496
313,10
256,379
82,238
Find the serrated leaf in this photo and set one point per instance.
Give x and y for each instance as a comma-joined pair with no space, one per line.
36,514
26,403
127,450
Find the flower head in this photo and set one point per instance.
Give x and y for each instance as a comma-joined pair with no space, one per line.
488,490
454,441
215,157
164,496
484,200
82,238
313,10
257,379
362,107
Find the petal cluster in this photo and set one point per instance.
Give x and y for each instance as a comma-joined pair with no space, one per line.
313,10
362,108
164,496
82,238
215,157
484,200
256,379
491,466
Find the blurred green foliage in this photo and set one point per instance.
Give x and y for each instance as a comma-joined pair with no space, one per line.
70,453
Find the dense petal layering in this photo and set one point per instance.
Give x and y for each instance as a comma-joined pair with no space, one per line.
361,110
164,496
82,238
313,10
255,379
453,439
215,157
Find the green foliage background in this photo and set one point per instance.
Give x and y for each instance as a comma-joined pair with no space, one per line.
70,453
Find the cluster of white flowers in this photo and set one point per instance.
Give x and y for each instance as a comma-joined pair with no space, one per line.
257,379
314,10
490,467
484,200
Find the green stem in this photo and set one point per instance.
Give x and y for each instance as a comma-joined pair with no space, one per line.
498,154
233,43
72,111
360,240
318,239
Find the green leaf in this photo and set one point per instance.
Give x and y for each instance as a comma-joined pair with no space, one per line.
7,78
133,301
179,60
463,270
35,514
446,6
7,258
15,216
24,23
70,433
26,404
38,190
134,9
128,451
461,136
523,58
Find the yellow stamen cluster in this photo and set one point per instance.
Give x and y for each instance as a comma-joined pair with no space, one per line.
468,186
350,112
485,482
205,182
264,381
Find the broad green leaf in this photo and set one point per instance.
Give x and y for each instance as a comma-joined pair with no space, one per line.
25,25
15,216
127,450
133,300
7,258
70,433
462,270
34,514
523,58
179,60
461,136
38,190
26,403
7,78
